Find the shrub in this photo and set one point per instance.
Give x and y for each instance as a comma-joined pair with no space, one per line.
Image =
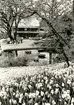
18,61
9,60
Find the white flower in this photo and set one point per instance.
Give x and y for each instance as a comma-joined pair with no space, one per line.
37,92
46,73
68,91
29,86
66,95
38,85
49,86
42,93
3,89
0,103
42,81
53,102
21,95
16,84
24,103
7,89
26,94
46,92
60,76
46,81
60,100
65,103
39,80
57,85
49,96
39,96
72,100
36,104
42,76
47,103
10,101
62,84
1,94
5,97
69,81
73,84
14,102
17,95
51,82
11,89
52,92
17,91
13,93
72,104
39,75
56,90
31,95
20,100
45,78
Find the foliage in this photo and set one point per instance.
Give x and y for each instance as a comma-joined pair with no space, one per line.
9,60
51,12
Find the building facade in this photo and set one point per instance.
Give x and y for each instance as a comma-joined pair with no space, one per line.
29,28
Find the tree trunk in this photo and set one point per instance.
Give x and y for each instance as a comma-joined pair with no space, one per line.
59,37
50,57
15,34
9,35
66,58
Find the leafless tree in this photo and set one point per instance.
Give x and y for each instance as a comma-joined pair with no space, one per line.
11,13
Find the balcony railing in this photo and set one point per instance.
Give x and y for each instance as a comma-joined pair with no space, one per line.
31,32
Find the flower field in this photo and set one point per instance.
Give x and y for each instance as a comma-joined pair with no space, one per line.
44,88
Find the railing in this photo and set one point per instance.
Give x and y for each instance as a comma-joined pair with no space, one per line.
30,31
51,49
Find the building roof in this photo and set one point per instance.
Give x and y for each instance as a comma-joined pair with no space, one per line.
29,23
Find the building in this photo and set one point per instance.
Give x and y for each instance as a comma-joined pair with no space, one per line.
29,27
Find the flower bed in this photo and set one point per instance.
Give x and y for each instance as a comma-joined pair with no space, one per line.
43,88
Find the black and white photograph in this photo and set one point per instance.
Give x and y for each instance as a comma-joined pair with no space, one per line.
36,52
